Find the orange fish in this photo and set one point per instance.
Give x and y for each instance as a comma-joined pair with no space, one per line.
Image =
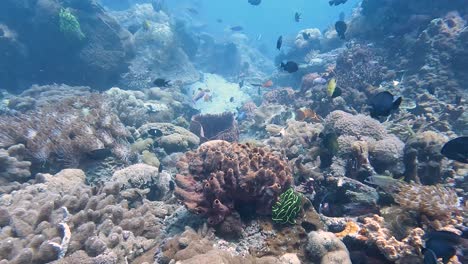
303,114
267,84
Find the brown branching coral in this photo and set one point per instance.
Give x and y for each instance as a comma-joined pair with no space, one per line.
66,132
220,176
217,126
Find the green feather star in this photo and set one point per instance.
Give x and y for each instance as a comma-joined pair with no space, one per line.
287,207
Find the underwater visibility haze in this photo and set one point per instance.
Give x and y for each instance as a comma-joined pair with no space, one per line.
233,131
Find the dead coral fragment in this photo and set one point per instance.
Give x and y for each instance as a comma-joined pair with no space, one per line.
220,175
434,200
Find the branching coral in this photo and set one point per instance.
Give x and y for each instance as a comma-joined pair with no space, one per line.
374,231
67,132
433,201
287,207
220,176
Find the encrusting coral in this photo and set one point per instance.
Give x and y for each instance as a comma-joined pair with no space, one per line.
220,176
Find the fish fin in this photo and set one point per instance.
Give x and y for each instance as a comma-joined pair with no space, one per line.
397,103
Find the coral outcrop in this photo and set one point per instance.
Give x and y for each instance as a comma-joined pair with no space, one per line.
423,161
13,168
375,231
155,184
64,134
215,126
169,137
220,177
365,143
80,35
60,217
324,247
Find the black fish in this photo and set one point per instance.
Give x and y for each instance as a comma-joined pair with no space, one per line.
237,28
290,66
456,149
155,132
231,99
297,17
241,84
336,92
340,27
160,82
429,256
160,168
279,42
443,244
336,2
306,36
255,2
382,104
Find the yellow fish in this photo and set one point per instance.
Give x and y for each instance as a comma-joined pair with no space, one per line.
331,87
147,25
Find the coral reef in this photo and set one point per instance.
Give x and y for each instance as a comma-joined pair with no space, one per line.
64,134
324,247
13,168
215,126
169,137
80,35
220,176
192,247
279,96
60,217
423,161
38,96
437,202
363,145
155,184
393,249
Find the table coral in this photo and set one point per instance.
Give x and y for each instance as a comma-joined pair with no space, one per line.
219,176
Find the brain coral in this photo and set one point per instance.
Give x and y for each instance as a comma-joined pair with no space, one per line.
219,176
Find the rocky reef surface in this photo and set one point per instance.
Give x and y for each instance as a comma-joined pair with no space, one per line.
285,173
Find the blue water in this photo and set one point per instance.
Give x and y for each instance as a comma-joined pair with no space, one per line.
270,19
